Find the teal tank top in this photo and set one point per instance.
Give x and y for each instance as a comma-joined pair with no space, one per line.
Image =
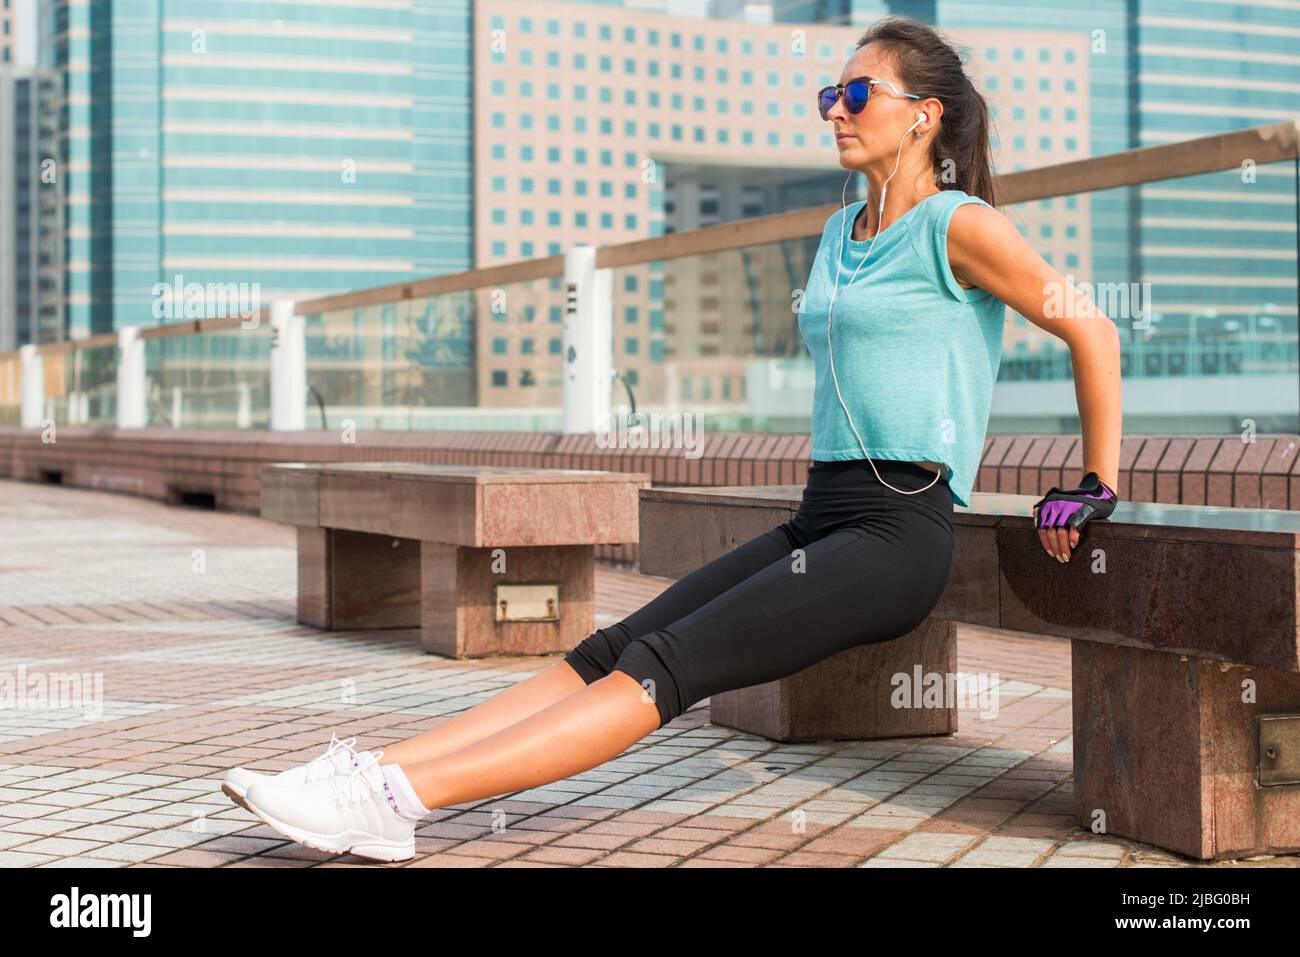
916,354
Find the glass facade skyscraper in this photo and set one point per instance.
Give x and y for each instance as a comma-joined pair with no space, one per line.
298,148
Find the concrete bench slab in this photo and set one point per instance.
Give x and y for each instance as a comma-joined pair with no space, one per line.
1185,652
483,560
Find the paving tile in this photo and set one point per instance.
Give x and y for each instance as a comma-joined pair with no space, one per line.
927,846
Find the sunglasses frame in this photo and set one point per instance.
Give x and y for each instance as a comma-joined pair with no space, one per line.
839,89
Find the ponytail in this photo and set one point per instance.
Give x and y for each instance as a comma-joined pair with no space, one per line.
961,154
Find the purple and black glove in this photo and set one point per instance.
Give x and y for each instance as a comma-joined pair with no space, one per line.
1070,509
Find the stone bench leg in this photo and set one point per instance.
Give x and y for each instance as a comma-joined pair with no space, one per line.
459,594
1166,751
355,580
850,695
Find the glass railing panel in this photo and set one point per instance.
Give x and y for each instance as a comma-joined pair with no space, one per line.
210,380
1199,274
488,358
90,396
716,335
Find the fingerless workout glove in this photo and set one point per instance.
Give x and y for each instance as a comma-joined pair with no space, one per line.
1092,499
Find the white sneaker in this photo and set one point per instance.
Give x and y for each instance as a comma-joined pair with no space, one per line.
347,812
339,756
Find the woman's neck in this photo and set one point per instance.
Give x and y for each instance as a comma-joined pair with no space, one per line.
897,202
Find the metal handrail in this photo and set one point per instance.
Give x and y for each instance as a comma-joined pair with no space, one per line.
1206,154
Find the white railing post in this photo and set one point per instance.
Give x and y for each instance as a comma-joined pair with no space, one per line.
588,342
243,406
132,411
288,369
33,387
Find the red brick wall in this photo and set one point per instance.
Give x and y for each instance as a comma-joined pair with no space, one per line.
163,463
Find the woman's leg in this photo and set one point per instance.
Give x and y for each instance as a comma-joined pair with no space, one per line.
594,658
487,717
862,583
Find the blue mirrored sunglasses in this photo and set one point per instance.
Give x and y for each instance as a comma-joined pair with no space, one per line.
856,93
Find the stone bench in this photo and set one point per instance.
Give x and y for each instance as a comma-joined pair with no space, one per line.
483,560
1185,655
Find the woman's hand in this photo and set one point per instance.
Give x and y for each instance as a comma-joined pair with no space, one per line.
1060,515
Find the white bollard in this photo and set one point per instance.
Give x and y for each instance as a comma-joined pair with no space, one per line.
244,408
132,410
33,387
588,342
288,369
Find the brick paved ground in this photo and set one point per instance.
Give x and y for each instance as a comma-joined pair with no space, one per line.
188,617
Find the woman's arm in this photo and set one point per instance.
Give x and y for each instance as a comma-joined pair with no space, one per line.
986,250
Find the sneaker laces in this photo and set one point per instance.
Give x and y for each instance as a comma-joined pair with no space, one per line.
351,786
324,764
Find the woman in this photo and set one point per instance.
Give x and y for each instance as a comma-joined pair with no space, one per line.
928,269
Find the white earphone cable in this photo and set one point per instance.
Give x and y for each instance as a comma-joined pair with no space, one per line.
884,190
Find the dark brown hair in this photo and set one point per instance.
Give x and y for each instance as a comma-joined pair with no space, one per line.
929,66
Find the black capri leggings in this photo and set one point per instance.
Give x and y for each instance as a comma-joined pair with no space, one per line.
858,564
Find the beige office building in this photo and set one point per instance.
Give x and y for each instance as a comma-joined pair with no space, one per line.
603,125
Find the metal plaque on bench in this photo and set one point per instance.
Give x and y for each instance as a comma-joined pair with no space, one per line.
527,602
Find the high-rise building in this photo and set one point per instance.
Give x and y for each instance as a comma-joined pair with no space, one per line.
19,207
1220,249
298,150
611,125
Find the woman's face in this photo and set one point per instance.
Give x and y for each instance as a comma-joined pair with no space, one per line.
867,138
